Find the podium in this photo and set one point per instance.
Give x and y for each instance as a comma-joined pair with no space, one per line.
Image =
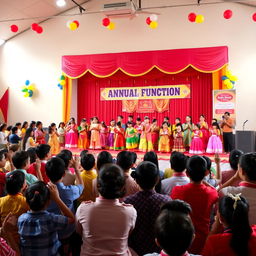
245,141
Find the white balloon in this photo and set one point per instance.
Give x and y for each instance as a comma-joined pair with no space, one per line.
153,17
68,23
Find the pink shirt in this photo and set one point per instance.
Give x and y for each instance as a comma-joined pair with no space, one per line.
105,226
131,187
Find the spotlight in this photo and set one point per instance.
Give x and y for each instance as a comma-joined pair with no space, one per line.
60,3
2,41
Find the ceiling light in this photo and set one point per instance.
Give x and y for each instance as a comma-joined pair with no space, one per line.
2,41
60,3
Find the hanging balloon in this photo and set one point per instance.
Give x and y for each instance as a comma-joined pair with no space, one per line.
228,14
153,24
153,17
39,30
224,78
77,23
192,17
14,28
34,26
62,82
106,22
31,87
27,82
254,17
148,20
68,23
26,94
230,85
24,89
62,77
199,18
111,26
72,26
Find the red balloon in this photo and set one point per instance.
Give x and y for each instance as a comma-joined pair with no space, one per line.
148,20
227,14
77,23
39,30
14,28
192,17
254,16
34,26
105,22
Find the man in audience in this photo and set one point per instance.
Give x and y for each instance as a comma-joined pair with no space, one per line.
147,203
178,163
201,198
174,230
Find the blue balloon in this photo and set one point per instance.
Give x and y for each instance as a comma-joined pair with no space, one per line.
30,93
27,82
59,85
224,78
233,82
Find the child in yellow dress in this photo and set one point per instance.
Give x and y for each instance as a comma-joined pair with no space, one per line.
53,139
164,141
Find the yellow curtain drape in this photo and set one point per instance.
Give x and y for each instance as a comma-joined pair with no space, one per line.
67,95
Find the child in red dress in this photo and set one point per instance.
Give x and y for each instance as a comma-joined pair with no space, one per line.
119,143
178,144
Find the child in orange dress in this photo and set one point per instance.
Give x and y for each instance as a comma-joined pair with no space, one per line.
164,141
53,139
83,138
178,144
119,143
95,134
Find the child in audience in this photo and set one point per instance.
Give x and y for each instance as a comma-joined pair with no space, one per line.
111,136
14,138
197,146
155,133
38,228
103,135
178,144
178,163
138,126
209,177
247,188
146,136
18,125
215,144
238,238
125,161
164,141
174,230
24,127
119,143
55,170
147,204
53,139
201,198
9,164
39,133
2,174
83,137
32,155
43,154
95,134
71,137
32,125
106,224
88,175
61,132
130,135
3,136
28,141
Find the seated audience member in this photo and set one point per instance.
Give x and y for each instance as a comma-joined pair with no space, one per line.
209,177
174,229
21,162
234,157
247,188
88,175
43,153
55,170
9,164
168,172
238,238
178,162
38,228
2,174
201,198
106,224
125,161
14,138
32,155
147,204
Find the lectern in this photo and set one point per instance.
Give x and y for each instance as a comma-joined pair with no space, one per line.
245,141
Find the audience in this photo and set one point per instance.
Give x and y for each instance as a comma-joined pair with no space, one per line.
106,224
14,138
147,204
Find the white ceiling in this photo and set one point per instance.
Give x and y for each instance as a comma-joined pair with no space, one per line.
27,9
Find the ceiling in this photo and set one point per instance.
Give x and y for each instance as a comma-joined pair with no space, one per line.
27,10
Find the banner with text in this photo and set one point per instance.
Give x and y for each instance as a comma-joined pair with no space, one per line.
224,101
150,92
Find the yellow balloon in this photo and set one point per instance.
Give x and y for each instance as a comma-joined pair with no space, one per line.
72,26
230,86
31,87
235,78
111,26
153,24
228,74
226,82
62,82
26,94
199,18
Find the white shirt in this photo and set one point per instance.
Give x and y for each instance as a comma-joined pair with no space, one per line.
3,138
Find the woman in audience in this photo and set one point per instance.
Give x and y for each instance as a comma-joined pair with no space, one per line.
106,224
28,141
238,238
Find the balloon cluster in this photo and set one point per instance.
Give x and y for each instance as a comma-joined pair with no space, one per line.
197,18
229,80
62,82
106,22
38,29
73,25
28,89
152,21
14,28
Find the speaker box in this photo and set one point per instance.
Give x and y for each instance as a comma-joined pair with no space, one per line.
245,141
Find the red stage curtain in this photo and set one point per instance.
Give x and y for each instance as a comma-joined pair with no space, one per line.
89,103
4,105
139,63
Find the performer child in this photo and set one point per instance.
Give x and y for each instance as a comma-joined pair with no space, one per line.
205,131
111,136
95,134
177,122
61,132
164,141
103,135
188,127
197,143
39,133
146,136
138,126
167,120
71,134
214,143
178,139
53,139
83,138
119,143
155,134
130,135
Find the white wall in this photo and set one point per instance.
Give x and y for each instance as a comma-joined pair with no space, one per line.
38,57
